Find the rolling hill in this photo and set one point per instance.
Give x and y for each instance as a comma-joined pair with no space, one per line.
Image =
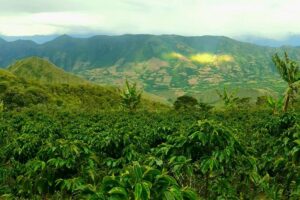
36,81
165,65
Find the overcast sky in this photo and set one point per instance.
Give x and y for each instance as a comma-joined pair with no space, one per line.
267,18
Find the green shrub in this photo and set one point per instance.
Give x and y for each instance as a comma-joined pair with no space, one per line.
3,87
185,102
14,99
36,95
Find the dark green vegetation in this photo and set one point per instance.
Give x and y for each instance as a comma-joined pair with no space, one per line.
185,102
63,140
166,65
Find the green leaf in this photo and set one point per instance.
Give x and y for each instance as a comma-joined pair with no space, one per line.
168,196
189,194
147,188
40,189
138,189
297,141
176,193
138,172
109,182
166,180
119,191
91,174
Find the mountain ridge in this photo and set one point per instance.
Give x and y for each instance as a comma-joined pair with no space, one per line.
292,41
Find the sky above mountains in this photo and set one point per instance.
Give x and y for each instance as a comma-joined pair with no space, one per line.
274,19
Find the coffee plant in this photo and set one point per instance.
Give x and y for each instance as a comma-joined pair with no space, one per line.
54,153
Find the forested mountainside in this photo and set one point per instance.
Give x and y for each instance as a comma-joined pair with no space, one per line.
166,65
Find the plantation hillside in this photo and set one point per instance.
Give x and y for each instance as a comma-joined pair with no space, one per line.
54,153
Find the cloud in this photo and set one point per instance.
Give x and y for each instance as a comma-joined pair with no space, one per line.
36,6
271,18
48,23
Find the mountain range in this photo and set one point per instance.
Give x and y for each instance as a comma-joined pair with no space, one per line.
165,65
291,40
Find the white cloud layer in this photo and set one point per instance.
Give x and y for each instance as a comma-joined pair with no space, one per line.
268,18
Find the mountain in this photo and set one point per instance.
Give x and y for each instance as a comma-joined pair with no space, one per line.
291,40
12,51
42,70
35,38
165,65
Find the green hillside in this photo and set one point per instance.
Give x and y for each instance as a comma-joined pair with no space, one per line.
37,82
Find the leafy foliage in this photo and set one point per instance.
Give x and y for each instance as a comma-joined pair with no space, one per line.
58,154
131,96
289,72
229,98
274,104
143,182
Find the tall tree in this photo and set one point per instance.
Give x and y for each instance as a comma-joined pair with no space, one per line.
289,72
